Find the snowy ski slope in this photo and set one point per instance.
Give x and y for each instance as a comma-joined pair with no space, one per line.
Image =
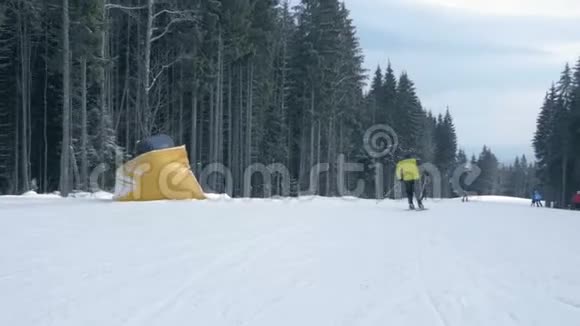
89,261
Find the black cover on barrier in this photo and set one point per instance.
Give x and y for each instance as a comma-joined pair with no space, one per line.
154,143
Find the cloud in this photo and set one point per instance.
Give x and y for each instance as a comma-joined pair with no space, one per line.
506,117
472,50
458,45
553,8
439,25
490,62
435,72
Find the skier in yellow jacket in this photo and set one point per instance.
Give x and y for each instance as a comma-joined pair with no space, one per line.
408,173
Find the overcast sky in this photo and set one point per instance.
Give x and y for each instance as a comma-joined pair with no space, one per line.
490,61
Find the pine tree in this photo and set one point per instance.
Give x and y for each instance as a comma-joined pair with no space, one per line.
390,95
461,158
326,79
575,127
428,143
65,165
408,116
543,134
555,138
487,183
376,97
560,138
446,148
527,174
518,179
9,137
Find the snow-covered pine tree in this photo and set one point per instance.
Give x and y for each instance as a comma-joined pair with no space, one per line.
560,139
446,149
487,183
408,119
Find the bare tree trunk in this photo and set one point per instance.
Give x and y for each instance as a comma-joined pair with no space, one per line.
329,158
237,148
341,144
147,67
193,140
75,170
138,119
285,114
212,131
28,129
104,91
180,122
230,121
45,110
220,103
240,148
303,152
201,131
169,121
564,178
318,127
249,115
312,129
24,54
16,175
84,174
128,141
65,184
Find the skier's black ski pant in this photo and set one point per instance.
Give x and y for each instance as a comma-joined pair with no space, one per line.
410,188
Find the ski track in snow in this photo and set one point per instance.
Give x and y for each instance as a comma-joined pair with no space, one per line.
228,262
425,292
321,262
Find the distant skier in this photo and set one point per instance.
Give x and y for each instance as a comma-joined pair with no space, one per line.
537,199
408,173
465,197
576,201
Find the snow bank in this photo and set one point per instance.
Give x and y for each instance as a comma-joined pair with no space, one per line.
102,195
218,197
92,195
82,261
31,195
502,200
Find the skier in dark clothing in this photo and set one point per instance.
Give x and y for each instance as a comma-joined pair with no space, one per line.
465,197
537,199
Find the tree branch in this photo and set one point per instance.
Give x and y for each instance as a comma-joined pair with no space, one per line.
173,12
168,27
163,68
115,6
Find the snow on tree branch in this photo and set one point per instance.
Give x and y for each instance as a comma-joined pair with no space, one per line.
115,6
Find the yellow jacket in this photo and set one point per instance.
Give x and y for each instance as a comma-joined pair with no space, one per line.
407,170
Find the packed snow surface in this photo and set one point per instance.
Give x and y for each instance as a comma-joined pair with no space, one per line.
89,261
